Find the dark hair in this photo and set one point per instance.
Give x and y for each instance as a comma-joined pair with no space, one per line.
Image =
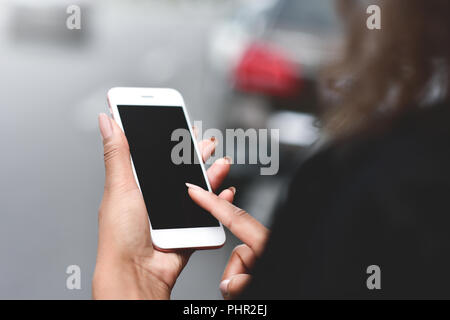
386,73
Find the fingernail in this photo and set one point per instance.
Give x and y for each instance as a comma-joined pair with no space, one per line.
224,287
233,189
193,186
228,160
104,122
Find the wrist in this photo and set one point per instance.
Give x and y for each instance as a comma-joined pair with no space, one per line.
114,280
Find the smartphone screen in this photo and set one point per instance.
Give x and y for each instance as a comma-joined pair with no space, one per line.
149,130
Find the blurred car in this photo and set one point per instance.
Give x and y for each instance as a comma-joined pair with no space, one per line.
275,48
269,53
230,38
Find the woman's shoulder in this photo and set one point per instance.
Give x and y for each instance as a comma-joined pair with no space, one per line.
416,143
407,167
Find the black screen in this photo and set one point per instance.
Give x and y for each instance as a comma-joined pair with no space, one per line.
149,130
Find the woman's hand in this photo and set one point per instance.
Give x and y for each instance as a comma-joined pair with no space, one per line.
127,266
254,235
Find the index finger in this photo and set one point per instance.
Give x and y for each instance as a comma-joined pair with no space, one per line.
239,222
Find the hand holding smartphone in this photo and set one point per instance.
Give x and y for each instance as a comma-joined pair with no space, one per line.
148,117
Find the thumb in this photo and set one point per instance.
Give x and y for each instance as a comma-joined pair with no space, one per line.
118,170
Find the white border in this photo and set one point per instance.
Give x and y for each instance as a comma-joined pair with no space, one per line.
166,239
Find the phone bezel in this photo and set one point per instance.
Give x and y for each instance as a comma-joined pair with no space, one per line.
167,239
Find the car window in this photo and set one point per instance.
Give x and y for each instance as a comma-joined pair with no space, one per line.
253,16
312,15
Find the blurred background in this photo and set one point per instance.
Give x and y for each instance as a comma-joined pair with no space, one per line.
238,64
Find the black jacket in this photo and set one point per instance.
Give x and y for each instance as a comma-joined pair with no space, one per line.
382,200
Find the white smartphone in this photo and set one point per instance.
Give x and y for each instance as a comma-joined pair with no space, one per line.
149,116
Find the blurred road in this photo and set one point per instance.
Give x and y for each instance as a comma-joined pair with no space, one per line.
51,169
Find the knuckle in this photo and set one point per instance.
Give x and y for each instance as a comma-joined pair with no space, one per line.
235,250
237,214
239,248
245,255
111,151
115,148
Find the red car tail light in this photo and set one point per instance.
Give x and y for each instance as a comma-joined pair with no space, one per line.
264,69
